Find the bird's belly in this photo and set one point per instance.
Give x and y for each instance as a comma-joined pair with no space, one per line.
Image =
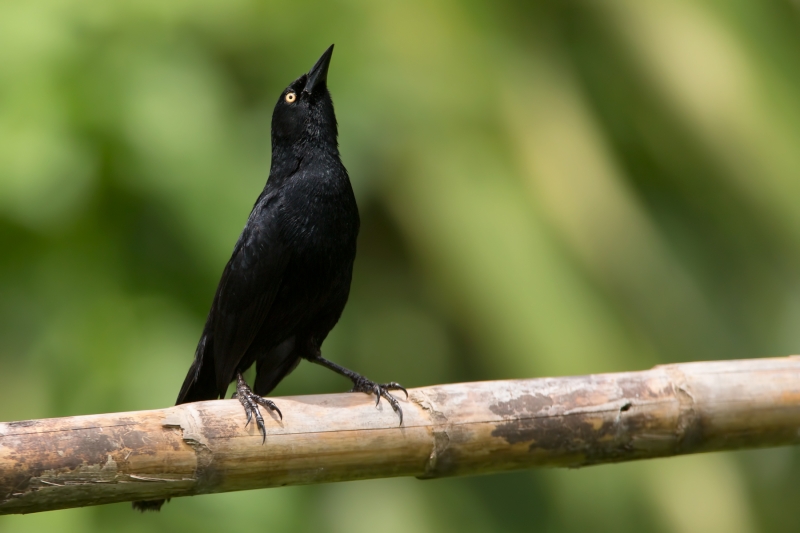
309,302
314,275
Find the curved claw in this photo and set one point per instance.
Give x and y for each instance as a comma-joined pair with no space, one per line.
361,384
261,428
393,385
269,404
250,401
393,402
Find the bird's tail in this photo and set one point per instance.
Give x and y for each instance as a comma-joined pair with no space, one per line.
201,380
200,384
149,505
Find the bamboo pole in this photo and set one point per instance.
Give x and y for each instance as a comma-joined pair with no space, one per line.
449,430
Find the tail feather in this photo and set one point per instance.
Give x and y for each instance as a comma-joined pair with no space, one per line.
276,365
199,385
149,505
201,380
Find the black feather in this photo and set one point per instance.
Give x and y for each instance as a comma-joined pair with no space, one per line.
288,278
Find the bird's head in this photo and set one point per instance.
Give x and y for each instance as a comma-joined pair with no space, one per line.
304,111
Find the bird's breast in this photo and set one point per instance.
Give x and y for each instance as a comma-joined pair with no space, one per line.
321,220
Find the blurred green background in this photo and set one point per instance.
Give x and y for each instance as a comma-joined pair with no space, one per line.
546,188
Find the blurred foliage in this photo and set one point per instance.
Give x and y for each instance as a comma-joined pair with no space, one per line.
546,188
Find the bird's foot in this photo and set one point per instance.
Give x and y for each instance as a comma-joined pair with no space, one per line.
250,401
362,384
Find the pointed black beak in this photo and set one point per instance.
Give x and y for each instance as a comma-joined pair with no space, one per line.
319,72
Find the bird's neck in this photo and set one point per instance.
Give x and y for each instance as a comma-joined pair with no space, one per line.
287,159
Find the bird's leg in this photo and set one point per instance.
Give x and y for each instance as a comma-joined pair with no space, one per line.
362,384
250,401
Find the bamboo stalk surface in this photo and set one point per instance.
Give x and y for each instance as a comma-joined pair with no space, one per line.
449,430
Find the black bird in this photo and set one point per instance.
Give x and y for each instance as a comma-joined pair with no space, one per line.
288,279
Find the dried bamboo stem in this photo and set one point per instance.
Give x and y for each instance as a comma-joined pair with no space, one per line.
449,430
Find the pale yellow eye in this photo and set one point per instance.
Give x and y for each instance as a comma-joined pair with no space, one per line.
291,97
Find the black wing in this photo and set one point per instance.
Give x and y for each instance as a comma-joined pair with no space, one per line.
243,299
